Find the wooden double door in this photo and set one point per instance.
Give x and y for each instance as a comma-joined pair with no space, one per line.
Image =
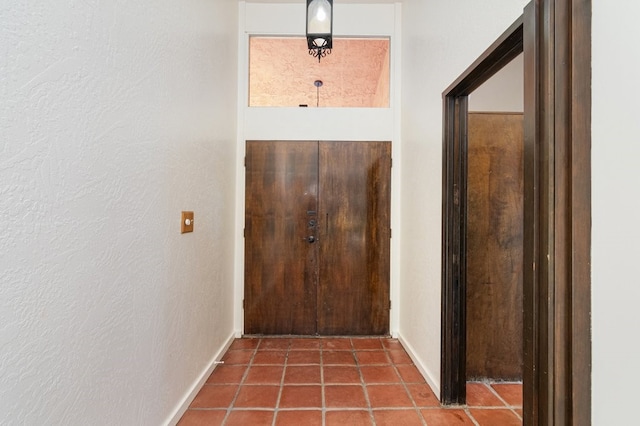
317,238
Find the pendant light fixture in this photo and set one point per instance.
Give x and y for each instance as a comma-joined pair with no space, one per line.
319,27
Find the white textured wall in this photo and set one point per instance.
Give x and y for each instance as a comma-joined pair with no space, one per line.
433,56
114,117
615,203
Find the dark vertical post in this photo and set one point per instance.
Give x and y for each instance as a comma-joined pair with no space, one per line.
453,362
558,204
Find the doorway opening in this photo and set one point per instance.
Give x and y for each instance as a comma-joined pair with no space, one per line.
455,214
555,38
494,203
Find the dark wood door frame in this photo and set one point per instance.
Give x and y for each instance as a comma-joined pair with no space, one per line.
555,36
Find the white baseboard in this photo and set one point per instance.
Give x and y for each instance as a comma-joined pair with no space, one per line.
197,385
428,376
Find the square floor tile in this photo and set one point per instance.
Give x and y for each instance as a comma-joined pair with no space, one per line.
446,417
338,358
379,374
341,396
303,357
366,343
410,373
257,396
202,417
336,344
510,392
348,418
399,356
264,374
230,374
300,374
299,418
214,396
274,344
276,357
492,417
249,417
337,381
372,357
244,343
392,344
479,395
341,374
423,396
305,344
387,396
301,396
408,417
238,357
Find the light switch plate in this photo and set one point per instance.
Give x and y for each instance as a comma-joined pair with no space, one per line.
186,222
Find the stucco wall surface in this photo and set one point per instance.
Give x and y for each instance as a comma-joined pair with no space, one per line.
114,117
440,39
615,203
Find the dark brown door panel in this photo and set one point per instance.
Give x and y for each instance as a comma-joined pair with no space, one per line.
353,296
317,238
280,263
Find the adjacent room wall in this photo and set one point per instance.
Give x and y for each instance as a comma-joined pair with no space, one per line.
115,116
615,203
504,92
433,56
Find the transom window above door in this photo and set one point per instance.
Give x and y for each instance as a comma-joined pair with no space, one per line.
354,75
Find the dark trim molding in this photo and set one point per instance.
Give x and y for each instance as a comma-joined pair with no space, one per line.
454,209
557,280
555,36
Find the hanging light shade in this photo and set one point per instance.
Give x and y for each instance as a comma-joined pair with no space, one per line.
319,27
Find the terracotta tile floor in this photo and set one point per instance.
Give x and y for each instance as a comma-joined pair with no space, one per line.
337,381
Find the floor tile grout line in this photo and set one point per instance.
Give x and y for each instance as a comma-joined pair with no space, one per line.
242,380
473,419
406,389
489,407
517,415
495,392
363,384
284,371
353,351
323,402
506,406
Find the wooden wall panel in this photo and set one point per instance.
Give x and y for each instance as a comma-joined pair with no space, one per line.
494,246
